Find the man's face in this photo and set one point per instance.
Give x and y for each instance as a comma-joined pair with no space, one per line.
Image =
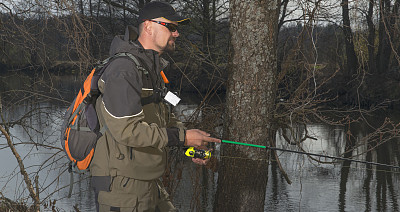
163,38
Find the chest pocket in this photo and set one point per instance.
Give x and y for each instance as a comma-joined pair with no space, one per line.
154,112
154,107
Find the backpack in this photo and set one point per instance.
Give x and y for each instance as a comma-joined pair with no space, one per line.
81,128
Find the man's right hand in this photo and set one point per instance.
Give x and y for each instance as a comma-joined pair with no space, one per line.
199,138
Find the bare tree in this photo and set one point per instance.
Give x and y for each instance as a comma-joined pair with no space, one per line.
250,103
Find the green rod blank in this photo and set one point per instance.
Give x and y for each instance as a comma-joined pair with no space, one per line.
244,144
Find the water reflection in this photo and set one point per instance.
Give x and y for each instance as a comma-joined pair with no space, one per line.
36,137
344,186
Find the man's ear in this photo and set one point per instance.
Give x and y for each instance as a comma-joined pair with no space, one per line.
147,27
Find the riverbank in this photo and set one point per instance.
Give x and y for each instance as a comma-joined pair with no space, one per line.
10,205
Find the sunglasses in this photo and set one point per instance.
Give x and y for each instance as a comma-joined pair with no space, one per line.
171,27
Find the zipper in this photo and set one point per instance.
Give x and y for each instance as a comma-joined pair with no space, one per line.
131,153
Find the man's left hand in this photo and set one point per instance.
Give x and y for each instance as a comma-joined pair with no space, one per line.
200,161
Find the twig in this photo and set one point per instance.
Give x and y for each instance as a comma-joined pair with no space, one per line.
27,180
283,172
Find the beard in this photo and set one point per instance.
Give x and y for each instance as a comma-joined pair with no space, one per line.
170,47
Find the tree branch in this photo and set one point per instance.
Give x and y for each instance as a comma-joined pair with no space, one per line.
27,180
121,6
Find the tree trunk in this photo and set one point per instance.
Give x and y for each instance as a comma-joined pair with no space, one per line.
213,23
124,12
111,20
384,49
394,32
91,8
371,38
352,62
243,172
206,24
81,7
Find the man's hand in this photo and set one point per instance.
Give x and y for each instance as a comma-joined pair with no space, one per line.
200,161
211,163
198,138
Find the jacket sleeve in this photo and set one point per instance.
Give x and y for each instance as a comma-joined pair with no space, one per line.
122,110
178,136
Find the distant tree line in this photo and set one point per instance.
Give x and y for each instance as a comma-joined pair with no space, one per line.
356,40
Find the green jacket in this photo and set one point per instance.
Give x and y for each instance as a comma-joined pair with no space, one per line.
135,143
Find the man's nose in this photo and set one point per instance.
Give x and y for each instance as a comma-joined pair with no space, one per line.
175,34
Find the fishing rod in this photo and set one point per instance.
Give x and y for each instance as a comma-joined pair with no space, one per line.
205,154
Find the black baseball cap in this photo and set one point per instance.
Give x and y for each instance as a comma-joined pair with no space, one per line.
158,9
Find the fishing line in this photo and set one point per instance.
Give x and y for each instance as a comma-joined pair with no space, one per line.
205,154
331,163
312,154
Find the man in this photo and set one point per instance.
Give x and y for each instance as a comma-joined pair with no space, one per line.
131,156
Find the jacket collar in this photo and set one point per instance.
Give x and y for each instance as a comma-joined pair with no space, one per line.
132,35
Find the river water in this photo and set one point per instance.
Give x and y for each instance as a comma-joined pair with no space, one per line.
315,186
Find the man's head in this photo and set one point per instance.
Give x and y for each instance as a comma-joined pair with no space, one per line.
158,22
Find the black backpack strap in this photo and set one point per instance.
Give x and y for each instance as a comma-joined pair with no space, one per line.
135,60
157,93
155,98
